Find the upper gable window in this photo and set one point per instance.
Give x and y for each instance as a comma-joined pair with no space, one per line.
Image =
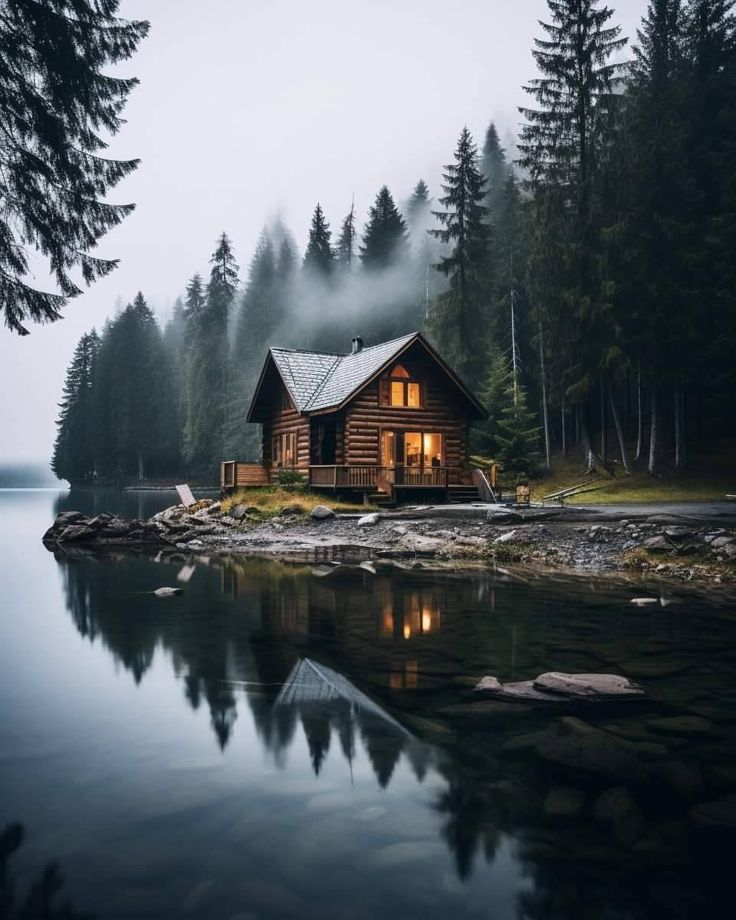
402,390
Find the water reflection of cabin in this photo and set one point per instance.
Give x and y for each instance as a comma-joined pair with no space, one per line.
388,418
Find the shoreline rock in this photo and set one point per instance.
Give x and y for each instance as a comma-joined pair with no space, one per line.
570,540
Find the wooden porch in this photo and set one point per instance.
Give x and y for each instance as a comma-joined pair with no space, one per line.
377,478
362,479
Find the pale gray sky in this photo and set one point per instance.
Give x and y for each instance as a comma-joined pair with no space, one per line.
248,109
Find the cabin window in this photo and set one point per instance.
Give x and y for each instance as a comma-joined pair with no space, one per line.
403,391
284,450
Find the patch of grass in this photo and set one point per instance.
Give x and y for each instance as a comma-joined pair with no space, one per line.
271,500
508,552
708,477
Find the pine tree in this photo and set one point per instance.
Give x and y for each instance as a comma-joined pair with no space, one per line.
495,168
345,250
134,416
459,320
658,204
516,434
561,144
74,455
260,315
319,258
208,360
174,339
424,250
58,108
385,240
418,205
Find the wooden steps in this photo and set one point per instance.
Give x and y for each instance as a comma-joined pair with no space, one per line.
457,495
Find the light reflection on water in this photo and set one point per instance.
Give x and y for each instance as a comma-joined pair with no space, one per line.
286,741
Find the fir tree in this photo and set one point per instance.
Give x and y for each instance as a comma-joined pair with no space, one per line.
59,106
174,339
418,204
657,237
459,320
424,251
495,167
74,454
384,239
510,434
345,250
561,144
133,405
258,319
319,258
208,358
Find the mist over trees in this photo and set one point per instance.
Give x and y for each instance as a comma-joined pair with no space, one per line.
583,284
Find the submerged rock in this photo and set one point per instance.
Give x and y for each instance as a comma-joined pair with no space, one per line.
717,815
616,807
581,747
682,726
168,592
563,802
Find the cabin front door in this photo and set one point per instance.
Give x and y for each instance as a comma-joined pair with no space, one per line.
406,455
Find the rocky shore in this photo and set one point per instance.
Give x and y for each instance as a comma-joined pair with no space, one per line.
691,546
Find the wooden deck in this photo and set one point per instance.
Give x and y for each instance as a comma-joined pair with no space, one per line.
379,478
356,478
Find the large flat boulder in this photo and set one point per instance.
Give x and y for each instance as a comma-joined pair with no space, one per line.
588,686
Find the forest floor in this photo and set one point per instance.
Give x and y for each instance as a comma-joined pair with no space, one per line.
709,476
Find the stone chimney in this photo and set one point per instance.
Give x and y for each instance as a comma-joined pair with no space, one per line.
357,345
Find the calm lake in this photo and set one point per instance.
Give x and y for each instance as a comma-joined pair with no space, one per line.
287,741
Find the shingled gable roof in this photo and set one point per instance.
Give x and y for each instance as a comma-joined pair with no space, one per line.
318,382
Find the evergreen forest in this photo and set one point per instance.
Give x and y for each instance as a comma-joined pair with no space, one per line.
582,281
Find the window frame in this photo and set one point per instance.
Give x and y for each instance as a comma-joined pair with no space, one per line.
405,382
281,445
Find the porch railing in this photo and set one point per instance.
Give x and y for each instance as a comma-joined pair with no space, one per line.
336,476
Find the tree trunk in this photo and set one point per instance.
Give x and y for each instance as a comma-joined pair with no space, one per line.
679,434
639,426
141,471
619,431
603,420
587,449
545,419
562,427
652,468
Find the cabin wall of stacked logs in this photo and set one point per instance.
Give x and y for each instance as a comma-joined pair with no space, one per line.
285,420
368,414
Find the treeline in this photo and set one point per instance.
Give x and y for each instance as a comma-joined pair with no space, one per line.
585,288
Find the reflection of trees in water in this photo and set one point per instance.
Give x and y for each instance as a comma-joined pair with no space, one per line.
402,639
43,899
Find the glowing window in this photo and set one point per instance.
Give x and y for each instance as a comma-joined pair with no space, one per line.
399,371
405,393
397,393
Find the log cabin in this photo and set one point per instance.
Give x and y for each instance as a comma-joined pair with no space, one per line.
387,421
